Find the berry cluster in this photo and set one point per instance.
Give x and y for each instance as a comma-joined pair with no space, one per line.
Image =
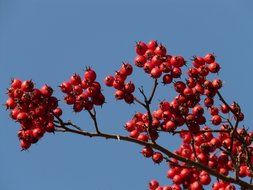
33,108
154,60
83,93
189,111
123,90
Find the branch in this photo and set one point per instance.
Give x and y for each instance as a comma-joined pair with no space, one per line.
94,118
153,91
159,148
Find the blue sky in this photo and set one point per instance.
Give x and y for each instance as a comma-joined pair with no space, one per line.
49,40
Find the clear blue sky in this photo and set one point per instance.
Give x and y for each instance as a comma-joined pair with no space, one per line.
48,40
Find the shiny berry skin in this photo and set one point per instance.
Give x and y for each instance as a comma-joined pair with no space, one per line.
160,50
126,69
16,83
147,152
37,132
153,184
156,72
24,144
141,48
216,120
152,44
75,79
167,79
157,157
27,86
177,179
198,62
119,94
99,99
66,87
109,81
129,98
57,111
90,75
46,91
140,60
10,103
214,67
177,61
209,58
129,87
196,186
224,108
22,116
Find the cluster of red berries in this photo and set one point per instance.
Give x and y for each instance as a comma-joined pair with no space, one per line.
203,178
83,93
154,185
195,95
33,108
123,90
154,60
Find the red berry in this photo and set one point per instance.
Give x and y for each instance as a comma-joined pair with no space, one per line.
177,179
179,86
153,184
197,110
214,110
208,102
156,72
75,79
196,186
27,86
118,84
46,91
224,108
90,75
214,67
10,103
50,127
160,50
109,81
119,94
204,178
70,99
147,152
177,61
216,120
129,87
209,58
157,157
157,60
22,116
16,83
152,45
217,83
141,48
58,111
129,98
66,87
169,126
24,144
176,72
167,79
198,62
99,99
37,132
140,60
134,134
143,137
126,69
